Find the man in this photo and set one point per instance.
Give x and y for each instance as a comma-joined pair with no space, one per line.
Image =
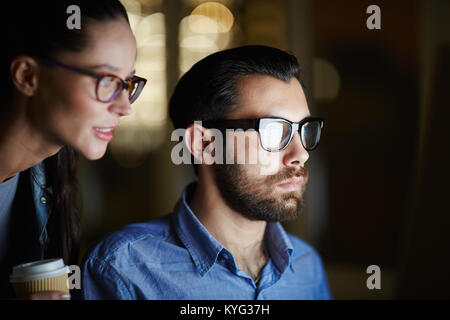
224,239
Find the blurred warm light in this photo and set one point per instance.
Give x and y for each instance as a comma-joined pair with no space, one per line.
194,3
132,6
140,132
211,17
206,30
198,42
150,109
149,28
194,46
185,32
326,80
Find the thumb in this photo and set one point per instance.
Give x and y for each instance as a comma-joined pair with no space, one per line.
49,295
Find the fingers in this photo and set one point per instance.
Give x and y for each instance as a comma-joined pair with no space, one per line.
49,295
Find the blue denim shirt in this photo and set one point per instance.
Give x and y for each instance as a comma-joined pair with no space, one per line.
39,190
33,238
175,257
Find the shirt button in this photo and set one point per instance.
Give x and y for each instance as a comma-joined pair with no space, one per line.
43,200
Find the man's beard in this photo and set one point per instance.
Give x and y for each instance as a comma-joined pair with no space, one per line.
244,196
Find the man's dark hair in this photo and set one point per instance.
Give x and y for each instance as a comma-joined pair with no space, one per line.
208,91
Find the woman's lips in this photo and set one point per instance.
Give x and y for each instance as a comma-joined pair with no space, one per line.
105,133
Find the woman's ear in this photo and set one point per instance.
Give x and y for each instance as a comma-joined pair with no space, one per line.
199,143
24,74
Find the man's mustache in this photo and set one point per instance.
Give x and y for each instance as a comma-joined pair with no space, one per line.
287,174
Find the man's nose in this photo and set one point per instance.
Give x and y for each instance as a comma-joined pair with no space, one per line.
295,153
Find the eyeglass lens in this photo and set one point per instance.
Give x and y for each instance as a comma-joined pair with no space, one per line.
134,90
276,134
310,134
109,87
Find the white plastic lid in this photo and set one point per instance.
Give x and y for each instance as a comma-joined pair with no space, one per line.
38,270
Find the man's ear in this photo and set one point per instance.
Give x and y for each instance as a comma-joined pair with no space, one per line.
197,140
24,74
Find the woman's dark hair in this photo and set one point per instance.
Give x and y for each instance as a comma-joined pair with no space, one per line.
208,91
39,28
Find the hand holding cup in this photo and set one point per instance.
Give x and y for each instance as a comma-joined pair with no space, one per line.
41,280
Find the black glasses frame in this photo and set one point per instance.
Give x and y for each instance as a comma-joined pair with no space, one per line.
255,124
125,84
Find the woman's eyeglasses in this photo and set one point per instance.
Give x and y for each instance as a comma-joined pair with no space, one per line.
109,86
276,134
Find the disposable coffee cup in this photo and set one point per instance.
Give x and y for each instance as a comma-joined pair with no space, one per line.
40,276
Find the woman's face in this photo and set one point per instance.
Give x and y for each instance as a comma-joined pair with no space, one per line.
65,108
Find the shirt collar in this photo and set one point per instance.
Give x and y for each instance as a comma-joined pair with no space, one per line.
38,174
39,191
279,246
204,248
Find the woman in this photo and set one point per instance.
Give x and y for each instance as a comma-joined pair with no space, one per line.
64,91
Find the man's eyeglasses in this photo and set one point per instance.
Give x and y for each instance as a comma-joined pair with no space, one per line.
109,86
275,134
